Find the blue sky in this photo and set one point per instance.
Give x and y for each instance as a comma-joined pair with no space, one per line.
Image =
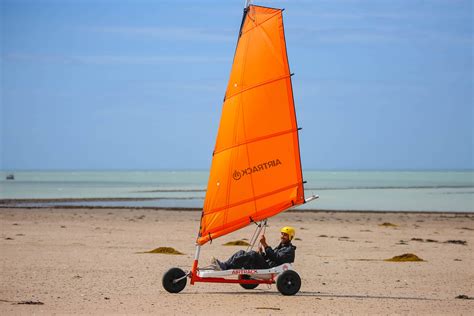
139,84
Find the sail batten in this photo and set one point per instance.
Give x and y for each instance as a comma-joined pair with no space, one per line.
250,200
256,169
256,86
257,140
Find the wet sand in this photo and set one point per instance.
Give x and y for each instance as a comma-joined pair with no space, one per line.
88,261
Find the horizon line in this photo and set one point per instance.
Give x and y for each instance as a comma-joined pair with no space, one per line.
208,169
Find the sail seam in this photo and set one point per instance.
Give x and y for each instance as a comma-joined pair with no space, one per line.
256,86
251,199
257,140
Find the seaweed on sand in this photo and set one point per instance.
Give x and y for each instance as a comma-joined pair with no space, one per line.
407,257
165,250
387,224
30,303
424,240
237,243
456,242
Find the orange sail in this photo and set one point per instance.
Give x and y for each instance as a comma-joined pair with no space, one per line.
256,168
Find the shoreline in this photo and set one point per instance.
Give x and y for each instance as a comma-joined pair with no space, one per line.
19,203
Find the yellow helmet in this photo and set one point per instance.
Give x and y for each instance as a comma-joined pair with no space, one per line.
288,230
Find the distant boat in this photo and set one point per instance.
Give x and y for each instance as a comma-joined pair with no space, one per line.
10,177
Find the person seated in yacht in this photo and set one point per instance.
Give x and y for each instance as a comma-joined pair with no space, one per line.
265,257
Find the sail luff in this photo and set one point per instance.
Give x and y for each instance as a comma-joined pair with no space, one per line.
252,182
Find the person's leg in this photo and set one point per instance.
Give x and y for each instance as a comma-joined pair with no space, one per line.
242,259
247,260
230,263
258,261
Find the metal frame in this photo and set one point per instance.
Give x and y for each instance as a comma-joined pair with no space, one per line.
259,276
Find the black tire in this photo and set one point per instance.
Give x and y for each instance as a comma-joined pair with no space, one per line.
246,286
169,277
289,283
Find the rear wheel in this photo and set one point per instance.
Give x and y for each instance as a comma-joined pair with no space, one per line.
169,280
246,285
289,283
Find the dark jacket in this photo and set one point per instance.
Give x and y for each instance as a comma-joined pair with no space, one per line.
283,253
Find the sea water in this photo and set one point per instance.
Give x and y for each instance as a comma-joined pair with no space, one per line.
449,191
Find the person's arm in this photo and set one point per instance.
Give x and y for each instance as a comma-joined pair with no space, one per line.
281,255
263,246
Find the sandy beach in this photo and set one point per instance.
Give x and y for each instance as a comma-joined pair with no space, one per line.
91,261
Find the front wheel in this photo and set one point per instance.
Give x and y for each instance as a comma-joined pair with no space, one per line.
246,285
289,283
169,280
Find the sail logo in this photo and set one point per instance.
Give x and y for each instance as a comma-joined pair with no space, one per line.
238,174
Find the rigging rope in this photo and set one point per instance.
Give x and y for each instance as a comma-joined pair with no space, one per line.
262,225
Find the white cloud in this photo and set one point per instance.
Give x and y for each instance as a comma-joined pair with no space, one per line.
147,60
378,34
110,59
172,33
